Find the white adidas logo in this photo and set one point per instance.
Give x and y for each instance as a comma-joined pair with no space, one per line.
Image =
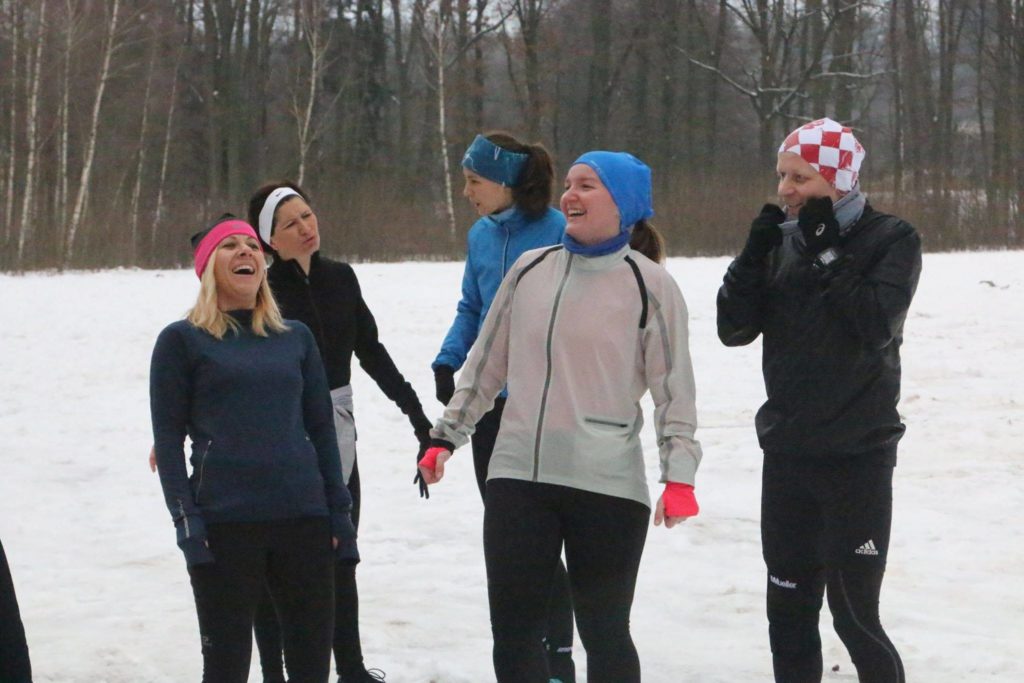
867,549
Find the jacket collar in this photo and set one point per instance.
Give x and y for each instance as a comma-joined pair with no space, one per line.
292,270
510,219
603,262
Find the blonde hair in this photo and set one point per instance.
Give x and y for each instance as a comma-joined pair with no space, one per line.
205,314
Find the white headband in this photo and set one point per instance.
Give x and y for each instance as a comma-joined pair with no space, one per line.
269,207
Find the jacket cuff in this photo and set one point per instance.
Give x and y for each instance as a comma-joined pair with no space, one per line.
190,526
342,529
196,551
442,443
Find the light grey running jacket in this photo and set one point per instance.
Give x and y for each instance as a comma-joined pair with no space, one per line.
579,340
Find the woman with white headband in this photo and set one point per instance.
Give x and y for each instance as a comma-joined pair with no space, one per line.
265,494
325,295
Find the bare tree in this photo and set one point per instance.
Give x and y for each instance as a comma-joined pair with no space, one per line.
774,84
64,139
317,45
530,15
31,120
952,16
438,41
158,214
17,13
140,162
82,198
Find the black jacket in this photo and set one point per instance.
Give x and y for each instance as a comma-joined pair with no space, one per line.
331,304
831,356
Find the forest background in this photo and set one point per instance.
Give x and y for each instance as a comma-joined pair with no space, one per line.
126,125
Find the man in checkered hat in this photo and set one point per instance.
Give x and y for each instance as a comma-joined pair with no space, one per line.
826,282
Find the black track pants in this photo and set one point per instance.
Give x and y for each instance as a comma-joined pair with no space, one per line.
14,661
558,633
525,527
825,528
348,651
295,560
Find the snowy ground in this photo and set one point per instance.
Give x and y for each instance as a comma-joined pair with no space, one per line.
104,592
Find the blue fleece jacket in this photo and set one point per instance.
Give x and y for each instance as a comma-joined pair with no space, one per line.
259,415
494,244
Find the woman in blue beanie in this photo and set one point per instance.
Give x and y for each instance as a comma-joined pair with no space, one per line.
264,504
510,185
579,332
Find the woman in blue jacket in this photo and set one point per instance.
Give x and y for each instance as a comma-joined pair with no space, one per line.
264,503
510,185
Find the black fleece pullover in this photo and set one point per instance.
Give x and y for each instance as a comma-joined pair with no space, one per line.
259,415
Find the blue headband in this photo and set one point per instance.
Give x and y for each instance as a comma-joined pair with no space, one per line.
495,163
628,181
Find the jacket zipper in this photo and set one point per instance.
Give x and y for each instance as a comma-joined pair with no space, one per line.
184,519
547,377
312,306
202,468
504,253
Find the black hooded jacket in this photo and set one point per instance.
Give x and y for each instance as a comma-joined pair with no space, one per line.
831,355
331,304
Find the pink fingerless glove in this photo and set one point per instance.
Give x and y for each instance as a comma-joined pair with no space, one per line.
679,500
429,459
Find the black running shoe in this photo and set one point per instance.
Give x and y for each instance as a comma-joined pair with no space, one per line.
365,676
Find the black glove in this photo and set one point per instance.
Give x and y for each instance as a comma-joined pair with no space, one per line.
423,436
765,234
817,222
444,382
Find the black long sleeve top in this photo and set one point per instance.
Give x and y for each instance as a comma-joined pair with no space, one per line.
329,301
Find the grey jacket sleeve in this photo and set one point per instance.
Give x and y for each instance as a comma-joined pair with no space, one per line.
485,372
669,373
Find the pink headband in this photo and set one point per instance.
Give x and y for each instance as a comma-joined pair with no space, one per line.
217,234
830,148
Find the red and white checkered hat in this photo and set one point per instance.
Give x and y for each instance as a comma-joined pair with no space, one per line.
830,148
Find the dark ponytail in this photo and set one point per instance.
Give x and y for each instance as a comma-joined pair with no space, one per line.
535,188
648,241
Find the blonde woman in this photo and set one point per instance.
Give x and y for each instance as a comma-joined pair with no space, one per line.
264,504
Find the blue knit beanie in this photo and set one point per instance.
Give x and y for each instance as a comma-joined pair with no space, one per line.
627,179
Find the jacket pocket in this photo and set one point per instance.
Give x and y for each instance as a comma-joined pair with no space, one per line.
605,422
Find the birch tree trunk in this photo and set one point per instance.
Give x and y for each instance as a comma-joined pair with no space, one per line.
31,115
441,27
82,197
311,28
895,69
140,165
61,200
12,159
159,212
